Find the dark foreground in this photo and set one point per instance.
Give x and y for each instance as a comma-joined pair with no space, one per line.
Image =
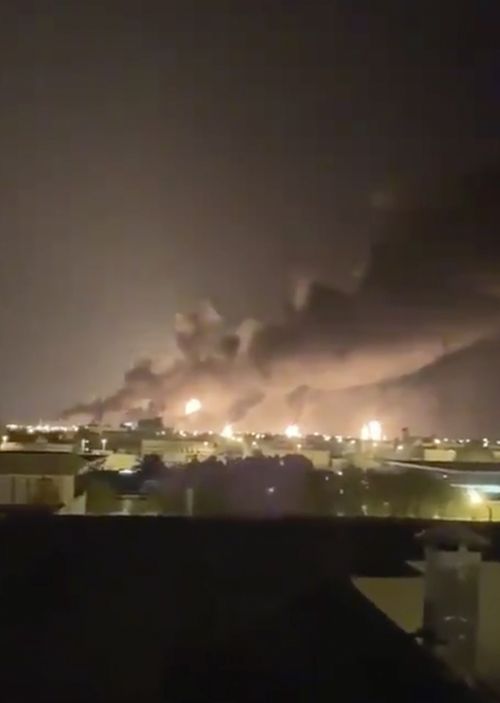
159,609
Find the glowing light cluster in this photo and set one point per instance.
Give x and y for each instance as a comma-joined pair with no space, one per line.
372,431
193,405
292,431
43,427
227,432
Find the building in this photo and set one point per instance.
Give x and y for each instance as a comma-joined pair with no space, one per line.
37,446
401,598
179,451
320,458
44,478
119,461
150,425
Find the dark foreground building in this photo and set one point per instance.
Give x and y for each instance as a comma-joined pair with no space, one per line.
160,609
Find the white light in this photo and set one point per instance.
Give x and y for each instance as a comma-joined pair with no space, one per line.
193,405
326,437
299,446
475,497
292,431
399,447
270,490
104,441
437,441
227,432
372,430
375,430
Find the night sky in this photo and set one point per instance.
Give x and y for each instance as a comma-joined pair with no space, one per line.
156,153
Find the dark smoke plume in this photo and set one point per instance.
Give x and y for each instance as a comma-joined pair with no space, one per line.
431,289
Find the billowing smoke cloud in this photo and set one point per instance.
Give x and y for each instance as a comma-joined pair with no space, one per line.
430,289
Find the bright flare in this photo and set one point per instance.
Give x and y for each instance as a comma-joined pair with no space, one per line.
192,406
372,431
292,431
227,432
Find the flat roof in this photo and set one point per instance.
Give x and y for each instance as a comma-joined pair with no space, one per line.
41,463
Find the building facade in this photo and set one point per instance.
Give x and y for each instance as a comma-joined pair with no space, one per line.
43,478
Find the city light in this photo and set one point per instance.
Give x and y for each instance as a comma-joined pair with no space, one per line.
193,405
292,431
227,432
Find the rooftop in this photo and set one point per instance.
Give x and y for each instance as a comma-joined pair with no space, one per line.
41,463
169,609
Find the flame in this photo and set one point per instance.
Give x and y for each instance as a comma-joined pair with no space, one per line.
227,432
193,405
292,431
372,430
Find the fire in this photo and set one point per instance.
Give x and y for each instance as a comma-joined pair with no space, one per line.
227,432
372,430
292,431
193,405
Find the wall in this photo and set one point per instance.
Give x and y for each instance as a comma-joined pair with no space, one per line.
439,454
118,461
401,599
22,489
